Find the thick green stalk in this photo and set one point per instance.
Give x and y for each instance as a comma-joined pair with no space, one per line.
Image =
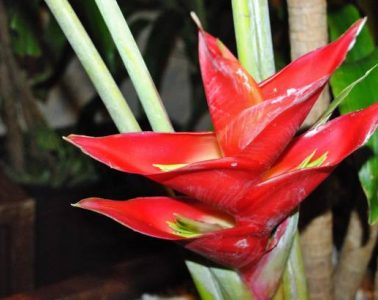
294,281
253,37
135,65
255,51
94,65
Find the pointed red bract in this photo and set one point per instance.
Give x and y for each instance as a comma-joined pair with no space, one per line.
228,86
261,132
234,247
150,216
338,139
138,152
311,66
132,153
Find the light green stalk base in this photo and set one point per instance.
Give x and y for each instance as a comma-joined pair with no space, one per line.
294,279
94,66
135,65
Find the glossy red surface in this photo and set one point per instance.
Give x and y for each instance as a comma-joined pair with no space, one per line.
250,167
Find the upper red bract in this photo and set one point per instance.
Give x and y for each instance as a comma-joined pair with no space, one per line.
248,169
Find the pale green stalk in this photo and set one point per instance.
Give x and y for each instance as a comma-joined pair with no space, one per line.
94,66
255,51
294,280
253,37
135,65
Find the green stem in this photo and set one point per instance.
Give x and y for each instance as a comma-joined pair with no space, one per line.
94,65
294,280
135,65
255,51
253,37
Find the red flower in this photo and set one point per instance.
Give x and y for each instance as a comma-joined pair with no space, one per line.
250,174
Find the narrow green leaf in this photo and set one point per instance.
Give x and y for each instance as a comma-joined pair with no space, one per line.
306,161
24,39
363,94
368,176
343,95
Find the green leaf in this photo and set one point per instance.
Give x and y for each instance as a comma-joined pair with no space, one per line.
364,94
340,21
369,180
362,60
24,38
275,263
338,100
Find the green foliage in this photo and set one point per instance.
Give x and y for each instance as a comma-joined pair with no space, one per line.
362,59
369,179
343,95
340,21
24,38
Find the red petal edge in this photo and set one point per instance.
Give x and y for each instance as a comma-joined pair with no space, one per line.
149,215
313,65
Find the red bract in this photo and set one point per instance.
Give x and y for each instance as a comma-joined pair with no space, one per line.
250,174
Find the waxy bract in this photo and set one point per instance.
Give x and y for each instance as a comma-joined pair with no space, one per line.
250,174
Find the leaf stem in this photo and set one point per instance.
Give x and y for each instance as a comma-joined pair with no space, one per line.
94,65
253,37
255,51
135,65
294,281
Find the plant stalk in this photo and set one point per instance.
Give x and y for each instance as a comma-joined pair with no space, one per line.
255,51
294,283
135,65
253,37
94,65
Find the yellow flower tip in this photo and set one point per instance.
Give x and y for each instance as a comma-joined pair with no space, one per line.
77,204
167,168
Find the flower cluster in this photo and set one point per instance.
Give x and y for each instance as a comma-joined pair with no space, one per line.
245,178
